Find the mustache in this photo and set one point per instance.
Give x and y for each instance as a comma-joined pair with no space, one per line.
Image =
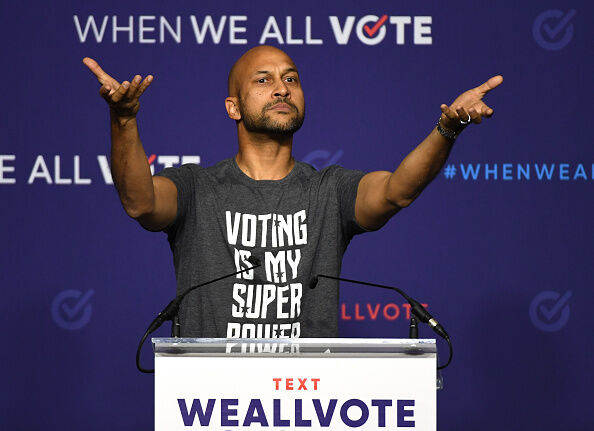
276,102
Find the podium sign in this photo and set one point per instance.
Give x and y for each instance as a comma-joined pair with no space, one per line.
295,384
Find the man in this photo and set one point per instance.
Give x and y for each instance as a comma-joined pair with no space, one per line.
262,202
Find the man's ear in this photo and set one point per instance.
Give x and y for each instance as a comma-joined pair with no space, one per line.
231,103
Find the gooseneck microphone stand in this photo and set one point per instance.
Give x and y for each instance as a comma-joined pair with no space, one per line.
415,307
170,312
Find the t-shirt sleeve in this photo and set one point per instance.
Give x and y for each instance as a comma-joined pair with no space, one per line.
184,180
347,183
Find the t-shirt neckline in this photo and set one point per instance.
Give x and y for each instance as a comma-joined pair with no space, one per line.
243,177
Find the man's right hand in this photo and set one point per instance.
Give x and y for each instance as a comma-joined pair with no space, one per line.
121,98
152,201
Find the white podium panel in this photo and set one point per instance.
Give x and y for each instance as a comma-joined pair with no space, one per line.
301,384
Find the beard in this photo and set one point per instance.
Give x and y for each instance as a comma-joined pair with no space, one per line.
263,123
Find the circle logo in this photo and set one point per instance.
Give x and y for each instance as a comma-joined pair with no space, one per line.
549,311
71,309
552,29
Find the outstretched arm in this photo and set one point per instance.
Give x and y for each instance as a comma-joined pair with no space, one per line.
382,194
150,200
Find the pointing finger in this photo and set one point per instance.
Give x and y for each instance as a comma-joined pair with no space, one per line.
102,77
490,84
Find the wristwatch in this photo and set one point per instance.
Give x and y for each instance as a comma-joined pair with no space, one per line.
449,134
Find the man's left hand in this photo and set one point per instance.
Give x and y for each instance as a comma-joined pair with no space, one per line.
469,105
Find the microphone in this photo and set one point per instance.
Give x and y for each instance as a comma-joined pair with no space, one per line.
172,308
170,311
415,307
413,329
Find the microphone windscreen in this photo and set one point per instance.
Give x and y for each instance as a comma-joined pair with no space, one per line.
314,282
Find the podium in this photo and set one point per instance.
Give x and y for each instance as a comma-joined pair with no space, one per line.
295,384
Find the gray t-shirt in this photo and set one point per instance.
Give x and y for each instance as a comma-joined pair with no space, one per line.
297,227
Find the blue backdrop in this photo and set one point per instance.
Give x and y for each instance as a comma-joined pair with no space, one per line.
499,246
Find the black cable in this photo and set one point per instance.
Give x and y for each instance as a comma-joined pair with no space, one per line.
138,350
441,367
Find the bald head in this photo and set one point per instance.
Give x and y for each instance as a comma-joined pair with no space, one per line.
265,94
248,63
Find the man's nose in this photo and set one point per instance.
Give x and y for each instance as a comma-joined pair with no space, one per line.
281,90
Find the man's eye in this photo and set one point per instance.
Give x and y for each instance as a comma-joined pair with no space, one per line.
262,80
291,79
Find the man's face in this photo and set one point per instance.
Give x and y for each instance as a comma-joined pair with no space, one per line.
271,99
